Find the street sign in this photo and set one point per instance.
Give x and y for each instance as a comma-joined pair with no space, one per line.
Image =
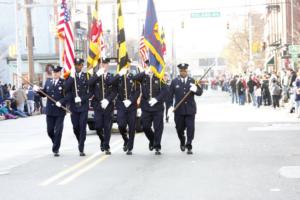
205,14
294,49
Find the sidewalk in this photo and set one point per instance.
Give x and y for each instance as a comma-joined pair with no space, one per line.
224,110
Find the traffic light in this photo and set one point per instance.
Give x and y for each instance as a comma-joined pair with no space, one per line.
227,25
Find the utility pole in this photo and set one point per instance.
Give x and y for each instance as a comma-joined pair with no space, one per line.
29,39
18,44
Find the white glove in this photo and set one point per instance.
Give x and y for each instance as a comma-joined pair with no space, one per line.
123,71
193,87
171,109
152,102
100,72
77,99
148,71
104,103
58,104
127,103
35,88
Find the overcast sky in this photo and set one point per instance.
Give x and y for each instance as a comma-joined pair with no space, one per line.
200,37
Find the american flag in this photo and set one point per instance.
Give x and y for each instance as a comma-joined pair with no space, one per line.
143,50
65,33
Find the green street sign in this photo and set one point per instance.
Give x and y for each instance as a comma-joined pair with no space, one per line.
294,49
205,14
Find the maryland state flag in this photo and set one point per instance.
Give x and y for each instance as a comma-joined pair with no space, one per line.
122,49
96,42
154,41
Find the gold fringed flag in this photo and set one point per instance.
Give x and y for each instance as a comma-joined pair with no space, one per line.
153,41
96,40
122,49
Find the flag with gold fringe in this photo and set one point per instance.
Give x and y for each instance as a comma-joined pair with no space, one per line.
154,41
96,44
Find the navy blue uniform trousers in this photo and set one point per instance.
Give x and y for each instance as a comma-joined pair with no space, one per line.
55,125
103,123
79,121
185,122
124,118
157,119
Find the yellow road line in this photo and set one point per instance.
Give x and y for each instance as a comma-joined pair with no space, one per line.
74,167
87,168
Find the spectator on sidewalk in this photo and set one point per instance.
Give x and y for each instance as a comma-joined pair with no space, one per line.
1,93
275,92
258,95
4,111
297,96
241,90
30,100
20,97
251,85
12,106
266,96
233,87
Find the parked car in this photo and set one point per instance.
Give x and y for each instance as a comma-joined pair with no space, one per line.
113,69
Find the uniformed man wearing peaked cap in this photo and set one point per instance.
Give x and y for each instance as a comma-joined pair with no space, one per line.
185,114
154,92
54,87
103,103
79,95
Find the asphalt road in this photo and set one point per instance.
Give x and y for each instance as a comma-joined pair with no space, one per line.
240,152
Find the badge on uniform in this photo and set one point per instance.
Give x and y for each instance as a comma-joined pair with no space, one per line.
156,81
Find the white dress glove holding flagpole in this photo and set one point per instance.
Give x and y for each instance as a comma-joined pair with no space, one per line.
123,71
193,87
148,71
58,104
77,99
152,102
35,88
100,72
104,103
127,103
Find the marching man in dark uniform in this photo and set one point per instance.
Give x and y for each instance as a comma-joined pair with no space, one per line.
54,87
185,114
78,94
126,103
154,92
104,95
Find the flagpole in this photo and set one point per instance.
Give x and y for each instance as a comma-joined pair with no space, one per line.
125,84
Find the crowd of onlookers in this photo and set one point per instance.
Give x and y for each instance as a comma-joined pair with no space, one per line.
19,102
268,89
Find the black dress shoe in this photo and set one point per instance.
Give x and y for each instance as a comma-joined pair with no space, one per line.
107,152
129,152
182,148
151,147
125,148
56,154
189,152
157,152
101,146
82,154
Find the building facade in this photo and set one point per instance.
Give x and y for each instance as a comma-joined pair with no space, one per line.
282,31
